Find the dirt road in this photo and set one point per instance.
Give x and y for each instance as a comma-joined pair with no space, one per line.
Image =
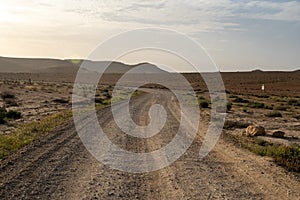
59,167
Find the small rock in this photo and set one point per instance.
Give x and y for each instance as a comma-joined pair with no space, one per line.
255,130
278,134
111,193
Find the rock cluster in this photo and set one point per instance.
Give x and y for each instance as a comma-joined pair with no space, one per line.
255,131
278,134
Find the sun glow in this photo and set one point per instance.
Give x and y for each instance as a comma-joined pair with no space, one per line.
7,14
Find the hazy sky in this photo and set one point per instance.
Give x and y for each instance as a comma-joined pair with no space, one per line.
238,34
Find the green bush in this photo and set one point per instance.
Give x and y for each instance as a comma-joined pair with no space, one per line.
260,142
282,108
240,100
296,116
99,100
235,124
10,102
292,101
269,107
203,104
61,101
12,114
7,95
2,120
107,95
229,106
288,157
263,96
256,105
285,156
297,104
23,136
274,114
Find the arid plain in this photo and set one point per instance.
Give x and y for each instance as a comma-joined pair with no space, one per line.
42,156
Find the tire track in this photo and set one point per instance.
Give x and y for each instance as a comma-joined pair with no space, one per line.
59,167
27,173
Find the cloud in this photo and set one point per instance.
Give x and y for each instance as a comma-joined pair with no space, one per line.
202,16
269,10
46,27
190,16
194,15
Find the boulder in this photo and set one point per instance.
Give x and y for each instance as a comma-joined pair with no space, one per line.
255,130
278,134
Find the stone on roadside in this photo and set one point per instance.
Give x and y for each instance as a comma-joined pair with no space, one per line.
278,134
255,131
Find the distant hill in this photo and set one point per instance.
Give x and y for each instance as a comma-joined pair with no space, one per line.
297,71
257,71
32,65
56,66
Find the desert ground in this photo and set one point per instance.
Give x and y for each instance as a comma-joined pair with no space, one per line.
56,165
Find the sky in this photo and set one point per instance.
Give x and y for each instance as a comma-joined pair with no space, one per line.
239,35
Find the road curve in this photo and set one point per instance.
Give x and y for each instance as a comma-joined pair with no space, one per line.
58,166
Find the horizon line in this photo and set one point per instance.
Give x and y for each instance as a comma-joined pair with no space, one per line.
143,62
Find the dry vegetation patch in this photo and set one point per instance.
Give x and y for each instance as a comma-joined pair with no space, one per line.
286,156
278,115
10,143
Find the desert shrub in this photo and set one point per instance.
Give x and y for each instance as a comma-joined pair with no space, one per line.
12,114
256,105
229,106
292,101
107,95
9,98
12,142
235,124
10,102
240,100
285,156
281,108
233,96
2,121
269,107
281,99
260,142
203,104
274,114
99,100
296,116
2,116
61,101
288,157
103,101
7,95
264,96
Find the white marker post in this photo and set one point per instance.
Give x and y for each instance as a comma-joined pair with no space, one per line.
263,87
